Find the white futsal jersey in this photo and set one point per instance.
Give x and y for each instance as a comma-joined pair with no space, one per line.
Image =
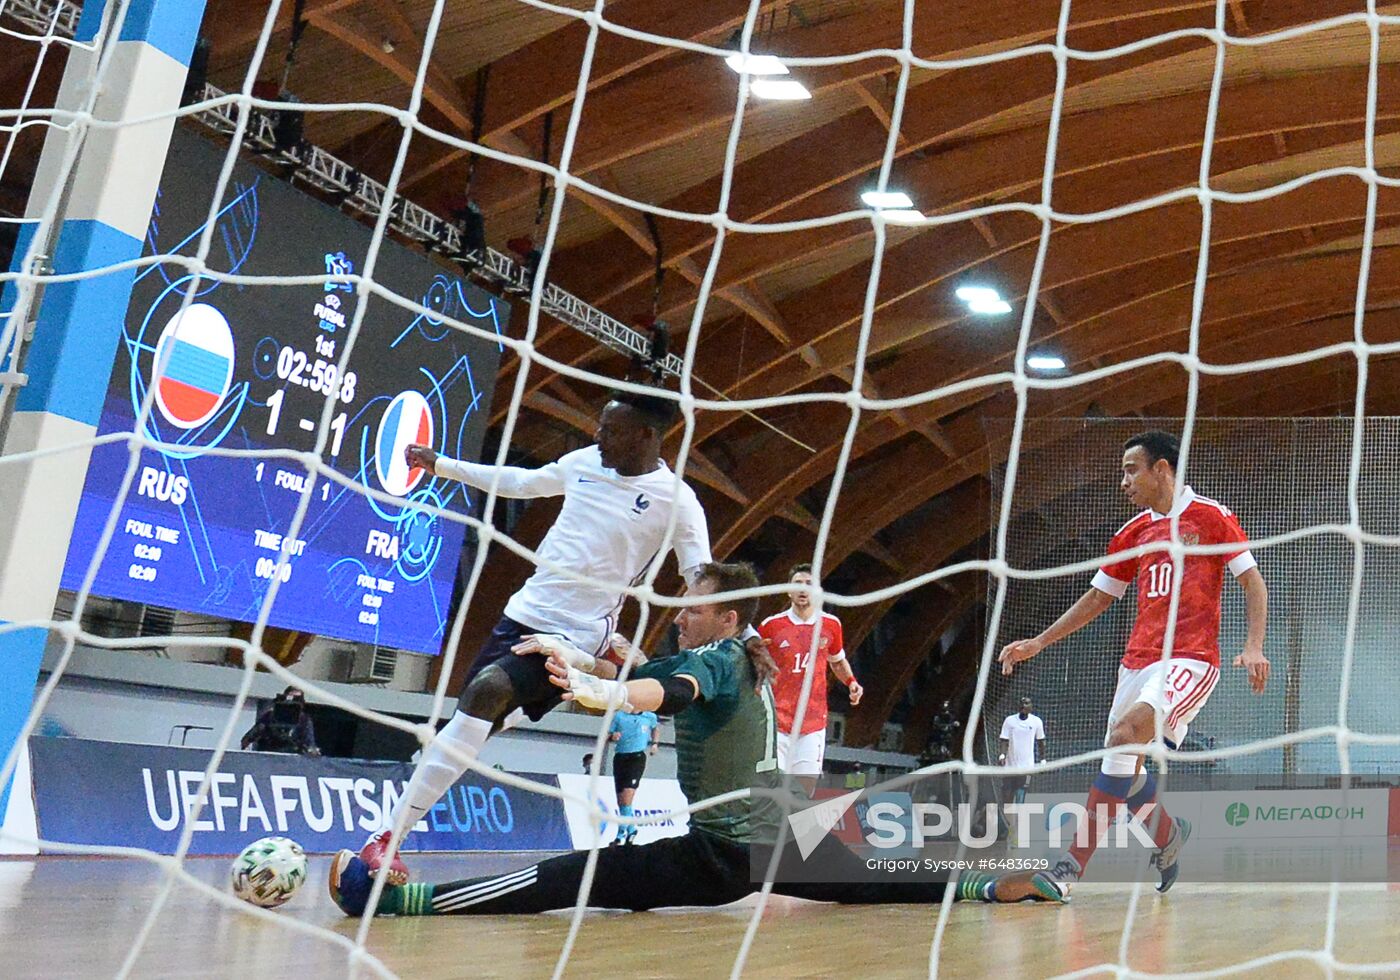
610,529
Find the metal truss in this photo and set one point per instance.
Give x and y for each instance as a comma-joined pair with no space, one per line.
322,170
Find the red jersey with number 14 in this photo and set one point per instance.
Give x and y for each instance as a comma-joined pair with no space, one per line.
1202,521
790,643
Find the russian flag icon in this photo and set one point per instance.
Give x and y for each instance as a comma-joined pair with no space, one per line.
407,420
199,368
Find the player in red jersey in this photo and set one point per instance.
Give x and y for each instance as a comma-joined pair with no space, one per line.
1149,685
789,636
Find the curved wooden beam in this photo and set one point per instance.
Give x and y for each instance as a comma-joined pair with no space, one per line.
640,113
909,645
1240,295
1014,96
401,60
852,145
955,105
862,514
231,27
909,310
874,505
823,316
543,75
1109,157
871,506
1078,255
1106,183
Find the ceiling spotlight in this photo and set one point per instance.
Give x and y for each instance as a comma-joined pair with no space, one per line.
972,294
783,89
983,300
755,64
989,307
886,199
1045,362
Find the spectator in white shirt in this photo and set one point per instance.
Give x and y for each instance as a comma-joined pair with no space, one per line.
1022,745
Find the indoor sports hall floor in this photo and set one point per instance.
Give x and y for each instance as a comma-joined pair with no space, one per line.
76,917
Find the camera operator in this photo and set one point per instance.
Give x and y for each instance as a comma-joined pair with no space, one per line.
284,727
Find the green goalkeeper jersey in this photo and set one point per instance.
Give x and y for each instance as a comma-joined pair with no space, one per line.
726,740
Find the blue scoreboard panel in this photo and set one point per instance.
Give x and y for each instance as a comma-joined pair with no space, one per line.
251,367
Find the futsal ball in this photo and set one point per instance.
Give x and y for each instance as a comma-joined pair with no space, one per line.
269,871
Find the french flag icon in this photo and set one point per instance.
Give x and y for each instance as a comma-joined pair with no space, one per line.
407,420
197,347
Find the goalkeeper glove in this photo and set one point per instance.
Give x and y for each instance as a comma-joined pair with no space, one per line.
596,693
570,654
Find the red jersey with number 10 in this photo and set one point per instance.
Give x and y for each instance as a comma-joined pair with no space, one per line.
1202,521
790,643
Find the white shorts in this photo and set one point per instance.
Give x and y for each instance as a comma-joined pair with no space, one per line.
806,756
1176,688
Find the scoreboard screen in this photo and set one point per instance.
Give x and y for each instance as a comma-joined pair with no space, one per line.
251,367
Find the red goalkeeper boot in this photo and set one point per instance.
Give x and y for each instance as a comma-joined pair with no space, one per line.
375,854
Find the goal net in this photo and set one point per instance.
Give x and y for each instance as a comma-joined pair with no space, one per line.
1315,495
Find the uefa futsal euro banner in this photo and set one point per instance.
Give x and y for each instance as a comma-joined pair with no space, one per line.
119,794
251,367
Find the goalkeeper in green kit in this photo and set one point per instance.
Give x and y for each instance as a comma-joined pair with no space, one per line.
717,688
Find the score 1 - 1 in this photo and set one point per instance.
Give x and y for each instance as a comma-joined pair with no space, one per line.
291,367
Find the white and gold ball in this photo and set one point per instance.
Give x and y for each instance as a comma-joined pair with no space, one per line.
269,871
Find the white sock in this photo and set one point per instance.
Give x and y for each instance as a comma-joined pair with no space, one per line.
437,769
1119,764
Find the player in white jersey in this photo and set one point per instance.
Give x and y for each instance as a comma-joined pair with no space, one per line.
618,499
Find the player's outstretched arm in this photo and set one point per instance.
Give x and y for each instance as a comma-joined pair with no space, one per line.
1256,612
647,694
1089,607
515,481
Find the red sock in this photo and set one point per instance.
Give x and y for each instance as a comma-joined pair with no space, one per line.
1163,833
1098,798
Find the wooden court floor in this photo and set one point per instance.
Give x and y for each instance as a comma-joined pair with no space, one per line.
75,918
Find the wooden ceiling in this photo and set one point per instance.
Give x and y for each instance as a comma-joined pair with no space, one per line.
786,308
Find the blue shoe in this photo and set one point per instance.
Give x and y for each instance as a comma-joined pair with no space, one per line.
350,883
1165,860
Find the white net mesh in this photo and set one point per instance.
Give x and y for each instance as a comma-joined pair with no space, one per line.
1332,728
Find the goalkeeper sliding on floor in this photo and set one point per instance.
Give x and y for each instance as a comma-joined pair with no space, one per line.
718,690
